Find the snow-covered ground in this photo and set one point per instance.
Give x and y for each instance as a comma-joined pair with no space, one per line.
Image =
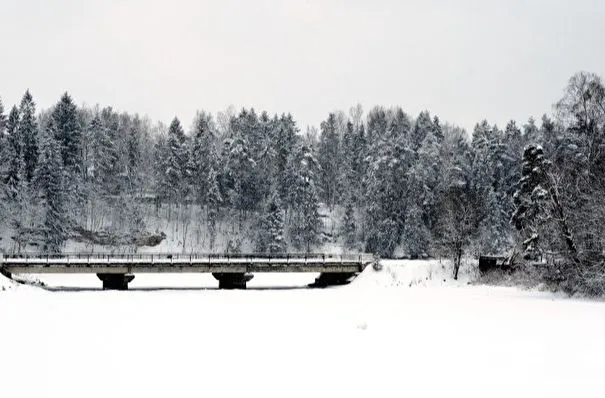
402,331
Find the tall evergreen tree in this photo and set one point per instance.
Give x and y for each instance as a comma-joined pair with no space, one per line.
213,202
284,144
28,133
306,230
176,167
2,118
104,159
422,127
201,155
68,134
329,160
271,227
50,185
14,153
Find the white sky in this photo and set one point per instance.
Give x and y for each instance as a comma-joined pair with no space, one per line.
462,60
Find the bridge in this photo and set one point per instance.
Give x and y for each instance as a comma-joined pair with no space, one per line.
231,270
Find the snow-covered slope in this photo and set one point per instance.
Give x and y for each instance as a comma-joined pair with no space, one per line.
410,273
376,337
7,284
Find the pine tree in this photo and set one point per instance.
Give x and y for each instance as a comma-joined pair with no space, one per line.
14,154
329,160
160,165
213,202
176,170
533,201
2,118
358,164
387,186
134,155
531,133
68,134
5,150
201,155
284,144
49,184
104,159
306,230
416,236
422,127
271,227
28,133
21,201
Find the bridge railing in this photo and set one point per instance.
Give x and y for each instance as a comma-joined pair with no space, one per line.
168,258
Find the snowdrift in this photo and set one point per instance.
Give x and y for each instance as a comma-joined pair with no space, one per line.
7,284
411,273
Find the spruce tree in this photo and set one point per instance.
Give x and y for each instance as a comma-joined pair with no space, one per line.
329,161
5,150
284,144
422,127
387,183
104,159
176,167
271,227
28,133
68,134
416,236
14,154
134,154
213,202
50,186
306,230
201,155
2,118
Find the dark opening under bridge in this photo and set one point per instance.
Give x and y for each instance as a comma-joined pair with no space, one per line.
231,270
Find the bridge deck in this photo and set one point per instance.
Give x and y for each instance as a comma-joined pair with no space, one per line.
183,263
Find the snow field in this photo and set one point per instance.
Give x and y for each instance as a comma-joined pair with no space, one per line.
374,338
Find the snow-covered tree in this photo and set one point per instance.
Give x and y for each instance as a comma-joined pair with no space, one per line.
2,118
306,230
175,173
68,134
15,166
213,200
271,227
329,158
49,184
104,158
202,153
28,134
349,226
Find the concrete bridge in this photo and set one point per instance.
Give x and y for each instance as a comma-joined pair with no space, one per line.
231,270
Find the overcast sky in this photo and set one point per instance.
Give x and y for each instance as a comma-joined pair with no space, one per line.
462,60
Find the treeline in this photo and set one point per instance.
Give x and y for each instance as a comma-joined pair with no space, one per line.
386,182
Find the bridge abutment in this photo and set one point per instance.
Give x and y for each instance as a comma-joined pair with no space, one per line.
326,279
115,281
229,280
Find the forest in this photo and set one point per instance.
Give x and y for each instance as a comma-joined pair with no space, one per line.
380,181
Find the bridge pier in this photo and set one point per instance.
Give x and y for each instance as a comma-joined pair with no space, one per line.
229,280
115,281
326,279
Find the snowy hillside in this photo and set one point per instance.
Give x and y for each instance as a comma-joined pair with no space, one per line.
376,337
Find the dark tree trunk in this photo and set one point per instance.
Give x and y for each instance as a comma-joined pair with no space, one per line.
457,260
